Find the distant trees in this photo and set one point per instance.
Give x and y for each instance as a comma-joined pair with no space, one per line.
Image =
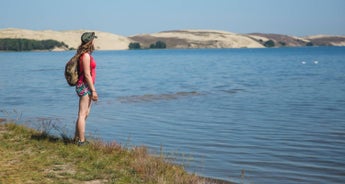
158,45
14,44
134,45
269,43
309,44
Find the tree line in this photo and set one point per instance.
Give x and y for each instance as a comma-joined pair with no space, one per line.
157,45
271,43
19,44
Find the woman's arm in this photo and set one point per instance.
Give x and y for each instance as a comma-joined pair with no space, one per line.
88,77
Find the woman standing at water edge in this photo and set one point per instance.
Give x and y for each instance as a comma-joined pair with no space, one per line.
85,87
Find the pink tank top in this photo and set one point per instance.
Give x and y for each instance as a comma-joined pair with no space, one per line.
92,69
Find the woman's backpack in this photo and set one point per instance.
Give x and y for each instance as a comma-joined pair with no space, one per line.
72,70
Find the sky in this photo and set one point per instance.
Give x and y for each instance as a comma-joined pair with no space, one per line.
131,17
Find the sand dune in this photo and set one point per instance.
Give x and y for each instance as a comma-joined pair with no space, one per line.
294,41
105,41
199,39
327,40
177,39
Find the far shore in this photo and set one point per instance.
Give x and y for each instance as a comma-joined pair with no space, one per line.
177,39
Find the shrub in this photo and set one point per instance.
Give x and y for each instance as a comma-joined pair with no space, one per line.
14,44
158,45
269,43
309,44
134,45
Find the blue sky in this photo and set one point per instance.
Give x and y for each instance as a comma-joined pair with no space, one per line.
130,17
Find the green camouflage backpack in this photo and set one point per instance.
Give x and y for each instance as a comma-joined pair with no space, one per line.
72,70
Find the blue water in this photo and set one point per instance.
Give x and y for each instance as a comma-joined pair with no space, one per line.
274,115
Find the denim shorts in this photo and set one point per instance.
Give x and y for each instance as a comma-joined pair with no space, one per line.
82,89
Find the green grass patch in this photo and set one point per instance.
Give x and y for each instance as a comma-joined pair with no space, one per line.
31,156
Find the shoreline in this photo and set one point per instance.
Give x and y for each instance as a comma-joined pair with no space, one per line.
177,39
43,51
35,138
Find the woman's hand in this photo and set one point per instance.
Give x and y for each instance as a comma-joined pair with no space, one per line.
94,96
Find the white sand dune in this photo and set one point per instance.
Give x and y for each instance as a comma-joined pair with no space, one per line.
330,40
174,39
105,41
215,38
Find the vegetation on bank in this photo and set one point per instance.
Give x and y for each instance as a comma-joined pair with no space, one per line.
269,43
272,43
158,45
15,44
134,45
31,156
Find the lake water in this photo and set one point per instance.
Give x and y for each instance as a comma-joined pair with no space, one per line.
242,115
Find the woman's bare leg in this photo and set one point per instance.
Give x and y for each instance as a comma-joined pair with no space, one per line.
84,110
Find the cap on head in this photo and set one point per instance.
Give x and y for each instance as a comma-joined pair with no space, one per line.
88,36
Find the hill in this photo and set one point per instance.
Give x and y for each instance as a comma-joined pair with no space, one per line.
198,39
177,39
105,41
327,40
280,40
222,39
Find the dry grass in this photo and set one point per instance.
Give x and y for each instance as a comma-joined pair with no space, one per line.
31,156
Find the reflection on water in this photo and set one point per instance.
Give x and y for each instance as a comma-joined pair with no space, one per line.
156,97
233,91
171,96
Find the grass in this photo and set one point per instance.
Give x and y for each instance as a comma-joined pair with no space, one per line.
32,156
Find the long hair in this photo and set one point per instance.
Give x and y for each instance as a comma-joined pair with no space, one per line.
86,47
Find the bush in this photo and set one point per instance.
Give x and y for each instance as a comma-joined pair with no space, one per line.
309,44
269,43
158,45
134,45
13,44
